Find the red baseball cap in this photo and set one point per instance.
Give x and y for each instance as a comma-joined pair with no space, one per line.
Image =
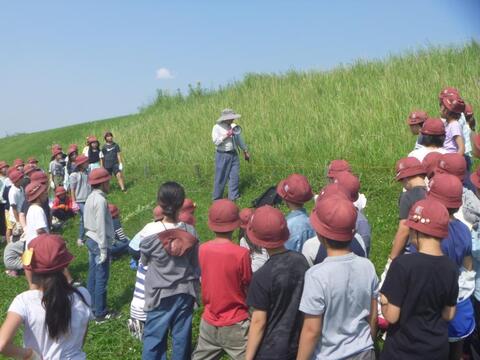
187,218
32,160
98,176
430,163
417,117
448,91
91,139
114,211
468,110
18,162
333,189
245,216
81,159
29,168
158,213
408,167
429,217
268,228
39,176
223,216
454,164
3,164
60,190
48,254
34,190
72,148
447,189
189,206
295,188
14,175
475,178
337,166
349,182
433,127
334,218
453,103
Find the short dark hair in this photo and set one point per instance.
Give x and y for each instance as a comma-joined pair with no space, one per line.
335,244
452,211
454,115
170,197
432,140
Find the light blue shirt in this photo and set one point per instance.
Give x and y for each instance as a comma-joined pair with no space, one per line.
300,229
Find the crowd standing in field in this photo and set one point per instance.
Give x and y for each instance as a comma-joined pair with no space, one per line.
292,287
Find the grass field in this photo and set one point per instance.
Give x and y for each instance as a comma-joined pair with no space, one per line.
293,122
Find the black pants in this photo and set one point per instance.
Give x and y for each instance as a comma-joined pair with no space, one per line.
63,215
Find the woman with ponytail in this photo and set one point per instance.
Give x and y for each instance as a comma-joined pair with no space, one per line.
171,281
54,314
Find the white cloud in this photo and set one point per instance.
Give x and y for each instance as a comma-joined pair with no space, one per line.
163,73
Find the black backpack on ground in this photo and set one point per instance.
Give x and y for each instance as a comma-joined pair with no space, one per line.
269,197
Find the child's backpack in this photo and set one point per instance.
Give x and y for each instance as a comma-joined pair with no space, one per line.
269,197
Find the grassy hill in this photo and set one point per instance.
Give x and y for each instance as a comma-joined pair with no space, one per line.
293,122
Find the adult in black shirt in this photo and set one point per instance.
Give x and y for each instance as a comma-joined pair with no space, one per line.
112,159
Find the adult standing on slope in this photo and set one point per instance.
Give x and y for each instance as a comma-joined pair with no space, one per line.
112,159
227,164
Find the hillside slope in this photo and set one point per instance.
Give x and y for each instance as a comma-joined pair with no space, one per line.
295,122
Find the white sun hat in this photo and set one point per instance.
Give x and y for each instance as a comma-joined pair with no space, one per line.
228,114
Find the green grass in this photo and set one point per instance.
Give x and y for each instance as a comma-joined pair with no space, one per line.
293,122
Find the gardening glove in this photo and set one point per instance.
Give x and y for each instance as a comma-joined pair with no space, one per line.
120,166
52,185
103,257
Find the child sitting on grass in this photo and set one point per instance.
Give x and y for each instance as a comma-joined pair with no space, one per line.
62,207
120,241
340,295
420,291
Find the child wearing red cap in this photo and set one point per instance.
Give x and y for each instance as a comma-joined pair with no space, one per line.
295,191
415,121
420,291
226,273
16,198
451,108
275,290
93,152
62,207
4,184
79,191
120,242
172,279
258,255
54,314
112,159
433,137
340,295
56,169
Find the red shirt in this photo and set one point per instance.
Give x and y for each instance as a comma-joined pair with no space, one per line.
65,204
226,273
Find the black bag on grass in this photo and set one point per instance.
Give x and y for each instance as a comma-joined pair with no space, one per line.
269,197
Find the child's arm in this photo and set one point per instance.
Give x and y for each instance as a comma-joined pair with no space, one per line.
468,262
389,311
372,318
8,331
255,333
311,332
448,313
400,239
460,143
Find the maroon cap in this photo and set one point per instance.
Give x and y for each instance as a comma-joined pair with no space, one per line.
32,160
48,253
114,211
81,159
334,218
349,182
187,218
295,188
60,190
158,213
433,127
447,189
98,176
475,178
245,216
417,117
407,167
18,162
333,189
429,217
34,190
430,163
268,228
337,166
56,152
448,91
14,175
91,139
39,176
454,164
223,216
72,148
3,164
453,103
468,111
29,168
189,206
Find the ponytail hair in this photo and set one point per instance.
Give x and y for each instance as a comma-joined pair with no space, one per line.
170,197
57,302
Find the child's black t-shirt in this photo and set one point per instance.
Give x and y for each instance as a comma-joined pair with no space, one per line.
421,285
408,198
277,289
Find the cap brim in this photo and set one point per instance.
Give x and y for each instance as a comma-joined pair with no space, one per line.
99,181
409,173
270,244
228,117
425,229
449,204
227,227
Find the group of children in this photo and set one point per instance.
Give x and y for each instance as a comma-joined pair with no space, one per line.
298,286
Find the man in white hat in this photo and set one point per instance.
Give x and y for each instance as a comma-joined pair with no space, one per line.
227,164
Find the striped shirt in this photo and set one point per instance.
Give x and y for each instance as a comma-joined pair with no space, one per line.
138,301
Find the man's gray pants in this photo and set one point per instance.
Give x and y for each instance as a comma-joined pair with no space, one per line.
227,167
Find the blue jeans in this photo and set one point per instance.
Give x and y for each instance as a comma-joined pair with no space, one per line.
175,313
81,229
227,167
119,248
97,282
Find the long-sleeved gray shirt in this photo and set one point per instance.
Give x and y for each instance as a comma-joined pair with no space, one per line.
98,221
79,184
168,275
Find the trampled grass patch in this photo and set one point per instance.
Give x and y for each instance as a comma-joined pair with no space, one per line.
293,122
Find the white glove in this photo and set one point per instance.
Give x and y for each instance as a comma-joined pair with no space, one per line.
80,242
52,185
120,166
103,258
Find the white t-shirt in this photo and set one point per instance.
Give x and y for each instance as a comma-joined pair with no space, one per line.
69,346
16,197
424,151
36,220
258,259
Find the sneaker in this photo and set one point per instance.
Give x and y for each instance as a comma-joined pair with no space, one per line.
80,242
135,327
110,315
11,273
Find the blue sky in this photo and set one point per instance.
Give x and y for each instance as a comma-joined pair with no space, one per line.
64,62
